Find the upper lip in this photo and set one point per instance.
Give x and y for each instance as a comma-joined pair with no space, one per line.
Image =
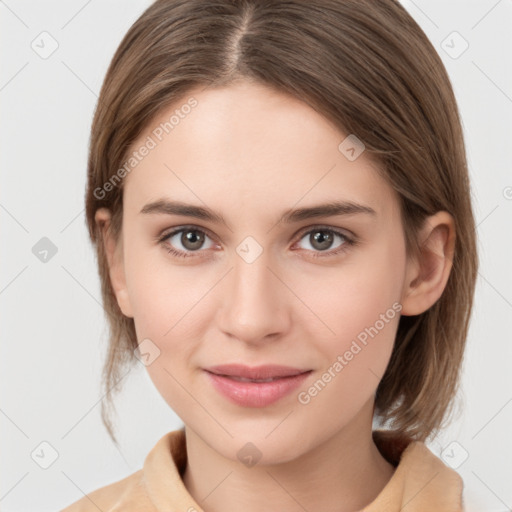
267,371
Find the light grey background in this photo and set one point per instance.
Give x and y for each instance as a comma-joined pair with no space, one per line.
53,329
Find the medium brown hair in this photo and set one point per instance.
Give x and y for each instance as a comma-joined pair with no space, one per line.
365,65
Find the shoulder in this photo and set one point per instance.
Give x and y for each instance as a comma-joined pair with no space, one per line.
135,492
421,460
115,496
420,476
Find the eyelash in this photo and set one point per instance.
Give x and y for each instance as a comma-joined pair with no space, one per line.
348,241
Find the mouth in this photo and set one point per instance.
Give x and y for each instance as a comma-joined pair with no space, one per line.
255,386
243,379
256,373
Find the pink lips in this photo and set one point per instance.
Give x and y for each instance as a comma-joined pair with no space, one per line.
255,386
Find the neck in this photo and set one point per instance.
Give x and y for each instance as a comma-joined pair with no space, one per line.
343,474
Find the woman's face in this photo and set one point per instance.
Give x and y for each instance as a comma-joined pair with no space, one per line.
260,280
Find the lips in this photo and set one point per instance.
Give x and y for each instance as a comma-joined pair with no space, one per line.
257,386
257,373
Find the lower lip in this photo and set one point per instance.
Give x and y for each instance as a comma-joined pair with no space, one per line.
256,394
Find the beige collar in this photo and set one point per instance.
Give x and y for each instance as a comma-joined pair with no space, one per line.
421,481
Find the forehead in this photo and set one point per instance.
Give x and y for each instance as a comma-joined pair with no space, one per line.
247,144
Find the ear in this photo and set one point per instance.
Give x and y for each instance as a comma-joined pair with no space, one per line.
114,252
428,272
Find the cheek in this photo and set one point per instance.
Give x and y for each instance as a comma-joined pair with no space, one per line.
172,304
353,295
161,293
359,302
168,310
363,312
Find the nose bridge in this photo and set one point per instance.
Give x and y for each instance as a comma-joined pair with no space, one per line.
254,306
251,279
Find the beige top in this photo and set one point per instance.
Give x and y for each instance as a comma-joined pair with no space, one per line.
421,481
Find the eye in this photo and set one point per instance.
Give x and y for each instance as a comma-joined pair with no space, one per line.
183,242
323,240
187,240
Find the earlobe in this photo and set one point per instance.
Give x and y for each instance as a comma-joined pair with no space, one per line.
428,273
114,253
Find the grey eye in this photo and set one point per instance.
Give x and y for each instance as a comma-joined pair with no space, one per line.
322,239
190,239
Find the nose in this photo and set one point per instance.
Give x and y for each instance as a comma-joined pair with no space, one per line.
254,305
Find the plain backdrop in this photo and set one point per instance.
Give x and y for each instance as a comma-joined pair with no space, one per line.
53,332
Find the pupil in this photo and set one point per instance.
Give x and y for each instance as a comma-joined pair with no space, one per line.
324,241
191,240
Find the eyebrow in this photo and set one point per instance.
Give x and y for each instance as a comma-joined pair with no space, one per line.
167,207
325,210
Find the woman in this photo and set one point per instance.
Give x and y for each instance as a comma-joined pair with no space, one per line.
279,197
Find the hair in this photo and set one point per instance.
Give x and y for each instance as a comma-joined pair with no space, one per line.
365,65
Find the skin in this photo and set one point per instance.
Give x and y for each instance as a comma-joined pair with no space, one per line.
250,153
